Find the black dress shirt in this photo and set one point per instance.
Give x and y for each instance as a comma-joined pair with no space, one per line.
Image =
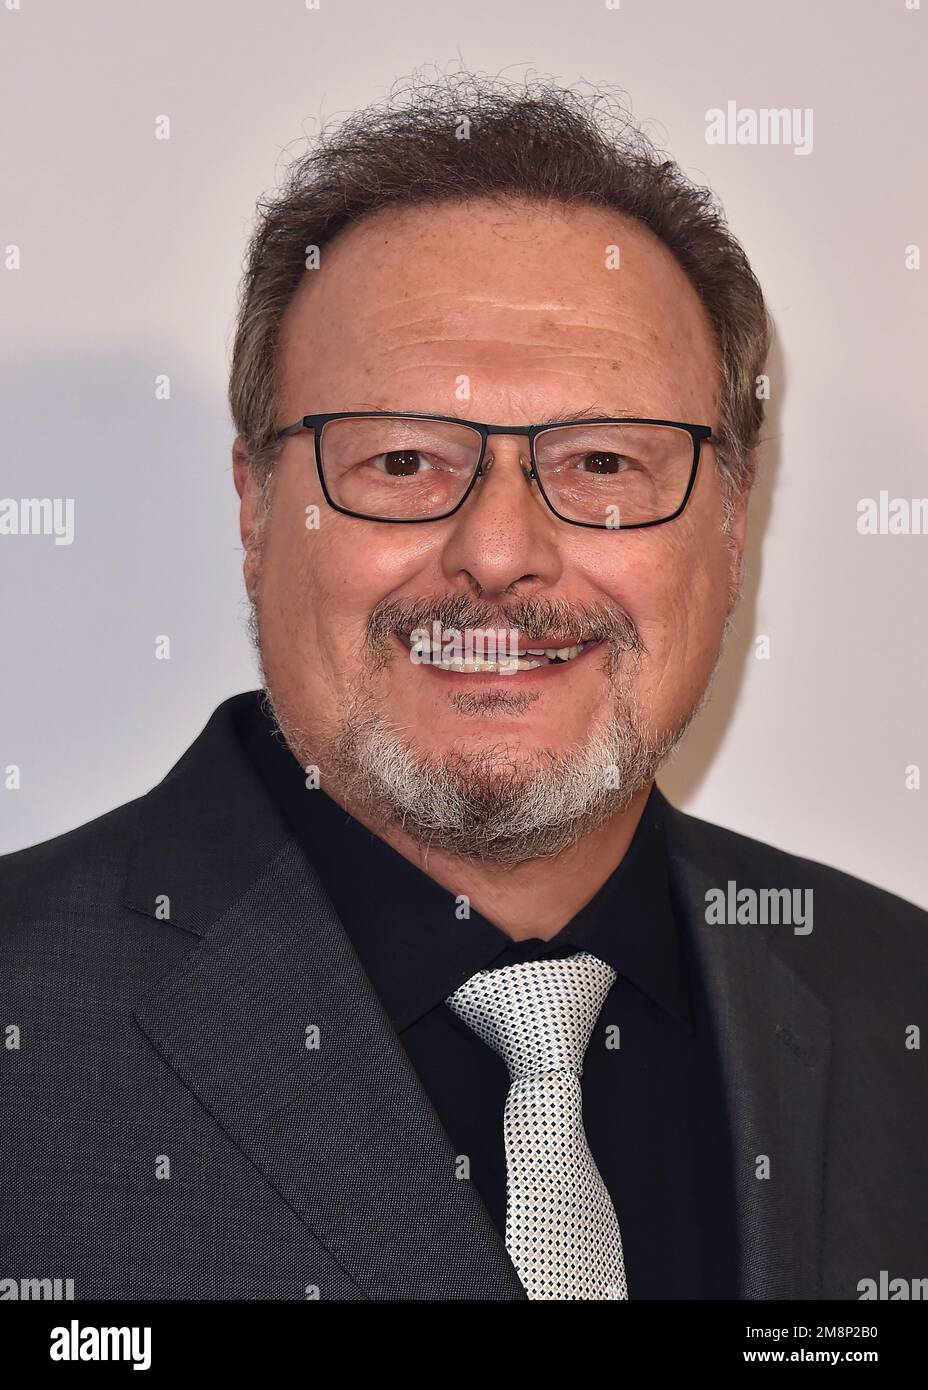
653,1107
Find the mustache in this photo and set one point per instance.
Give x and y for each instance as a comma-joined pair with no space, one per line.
534,618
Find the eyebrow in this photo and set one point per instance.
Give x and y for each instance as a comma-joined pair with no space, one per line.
588,412
584,412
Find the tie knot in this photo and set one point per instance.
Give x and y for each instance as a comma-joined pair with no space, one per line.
537,1015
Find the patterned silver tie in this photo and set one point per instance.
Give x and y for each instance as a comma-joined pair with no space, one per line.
562,1232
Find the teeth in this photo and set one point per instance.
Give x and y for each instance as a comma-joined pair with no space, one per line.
506,666
563,653
500,668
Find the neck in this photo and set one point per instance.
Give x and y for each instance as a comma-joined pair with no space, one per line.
533,899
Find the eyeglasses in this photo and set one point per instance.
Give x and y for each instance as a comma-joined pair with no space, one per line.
606,473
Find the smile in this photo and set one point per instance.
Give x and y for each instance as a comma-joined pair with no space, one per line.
526,658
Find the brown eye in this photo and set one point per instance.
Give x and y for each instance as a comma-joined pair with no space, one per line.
401,463
601,462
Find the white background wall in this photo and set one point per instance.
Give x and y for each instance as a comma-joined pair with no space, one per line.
131,250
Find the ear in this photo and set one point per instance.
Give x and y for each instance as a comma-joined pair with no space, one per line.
739,516
239,465
251,502
737,532
739,521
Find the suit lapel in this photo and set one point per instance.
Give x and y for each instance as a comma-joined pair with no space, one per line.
773,1036
342,1128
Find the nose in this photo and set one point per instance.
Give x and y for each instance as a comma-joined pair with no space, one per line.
504,535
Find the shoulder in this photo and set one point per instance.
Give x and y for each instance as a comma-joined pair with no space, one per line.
68,938
827,921
86,865
716,846
83,873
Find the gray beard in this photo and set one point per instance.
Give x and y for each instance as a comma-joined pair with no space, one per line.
493,804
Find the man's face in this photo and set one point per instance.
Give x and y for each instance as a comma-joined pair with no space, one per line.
516,302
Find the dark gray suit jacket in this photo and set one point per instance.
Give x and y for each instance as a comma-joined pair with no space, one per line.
167,1133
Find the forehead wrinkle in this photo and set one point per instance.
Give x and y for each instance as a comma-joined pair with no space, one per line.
559,319
617,323
482,302
573,366
609,343
542,353
525,323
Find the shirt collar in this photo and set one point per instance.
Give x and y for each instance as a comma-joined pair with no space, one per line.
406,927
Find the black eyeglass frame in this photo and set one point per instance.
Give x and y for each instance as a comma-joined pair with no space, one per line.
698,434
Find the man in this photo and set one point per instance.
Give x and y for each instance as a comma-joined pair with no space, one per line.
407,982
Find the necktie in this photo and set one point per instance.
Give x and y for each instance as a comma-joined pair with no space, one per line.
562,1232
